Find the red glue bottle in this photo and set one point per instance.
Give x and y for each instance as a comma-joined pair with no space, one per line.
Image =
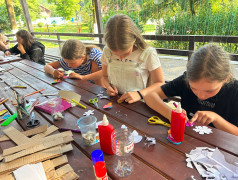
177,126
106,135
100,170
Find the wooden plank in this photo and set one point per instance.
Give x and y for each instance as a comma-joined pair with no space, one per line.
27,15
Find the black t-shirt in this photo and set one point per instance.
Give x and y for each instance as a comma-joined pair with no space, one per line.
224,103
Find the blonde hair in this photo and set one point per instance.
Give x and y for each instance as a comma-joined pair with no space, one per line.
210,62
121,33
75,49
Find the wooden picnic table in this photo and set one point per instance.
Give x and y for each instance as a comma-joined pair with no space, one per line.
9,59
160,161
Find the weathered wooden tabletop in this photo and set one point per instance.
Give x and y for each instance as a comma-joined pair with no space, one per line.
160,161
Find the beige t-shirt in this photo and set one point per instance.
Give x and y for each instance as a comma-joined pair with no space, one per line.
150,63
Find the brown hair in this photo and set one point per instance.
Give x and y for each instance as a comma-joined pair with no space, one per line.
75,49
121,33
27,38
210,62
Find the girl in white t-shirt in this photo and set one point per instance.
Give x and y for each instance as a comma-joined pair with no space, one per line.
128,61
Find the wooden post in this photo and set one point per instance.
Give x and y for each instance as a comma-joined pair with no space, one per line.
58,37
99,18
11,15
192,45
27,15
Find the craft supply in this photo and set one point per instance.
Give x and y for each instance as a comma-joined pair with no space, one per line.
10,119
50,94
45,106
69,95
33,105
100,170
3,111
3,101
16,136
34,92
94,102
56,81
5,117
157,120
108,106
88,113
33,122
24,87
177,126
73,130
76,102
106,132
97,155
202,130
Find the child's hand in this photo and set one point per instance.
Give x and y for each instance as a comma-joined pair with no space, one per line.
7,53
57,74
130,97
76,76
112,90
204,117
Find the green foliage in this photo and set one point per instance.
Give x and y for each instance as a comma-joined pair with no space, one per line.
4,21
66,8
40,24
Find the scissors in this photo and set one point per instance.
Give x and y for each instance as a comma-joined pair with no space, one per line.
94,102
33,122
157,120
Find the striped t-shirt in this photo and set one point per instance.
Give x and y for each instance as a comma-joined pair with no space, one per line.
84,69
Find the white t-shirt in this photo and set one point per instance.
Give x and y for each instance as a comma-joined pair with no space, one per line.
149,63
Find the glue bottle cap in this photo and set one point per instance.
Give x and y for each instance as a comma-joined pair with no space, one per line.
105,120
179,108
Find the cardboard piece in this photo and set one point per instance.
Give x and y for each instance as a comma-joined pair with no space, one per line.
49,130
28,133
34,158
16,136
69,95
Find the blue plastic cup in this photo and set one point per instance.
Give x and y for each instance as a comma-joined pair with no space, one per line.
97,155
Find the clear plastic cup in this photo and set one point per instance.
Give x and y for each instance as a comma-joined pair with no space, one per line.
123,147
87,126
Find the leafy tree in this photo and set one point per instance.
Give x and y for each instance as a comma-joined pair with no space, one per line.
66,8
4,20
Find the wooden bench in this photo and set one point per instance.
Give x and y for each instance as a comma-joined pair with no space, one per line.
50,58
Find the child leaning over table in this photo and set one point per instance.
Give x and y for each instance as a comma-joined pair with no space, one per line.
128,61
207,90
83,60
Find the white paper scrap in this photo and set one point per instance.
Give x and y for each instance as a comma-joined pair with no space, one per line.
137,138
211,164
202,129
30,171
88,113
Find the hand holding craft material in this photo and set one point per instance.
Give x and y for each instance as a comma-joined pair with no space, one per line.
157,120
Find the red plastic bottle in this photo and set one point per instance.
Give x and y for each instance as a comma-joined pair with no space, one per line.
177,125
100,170
106,134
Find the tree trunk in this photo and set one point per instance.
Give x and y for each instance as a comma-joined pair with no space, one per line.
11,14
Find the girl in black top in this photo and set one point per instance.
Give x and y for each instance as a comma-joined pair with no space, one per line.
207,90
27,48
